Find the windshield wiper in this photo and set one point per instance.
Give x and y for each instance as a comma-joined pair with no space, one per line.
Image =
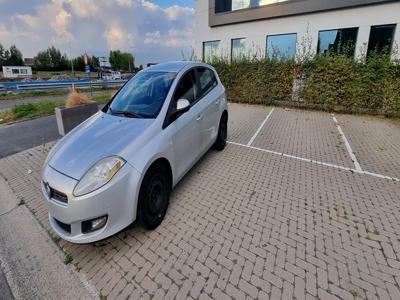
125,113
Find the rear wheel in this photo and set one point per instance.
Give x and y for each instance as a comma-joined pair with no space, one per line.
154,196
220,143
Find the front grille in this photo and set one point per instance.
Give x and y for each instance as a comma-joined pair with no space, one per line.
57,195
63,226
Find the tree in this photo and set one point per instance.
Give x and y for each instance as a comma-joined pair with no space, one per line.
3,57
10,57
51,60
122,60
15,57
94,62
79,64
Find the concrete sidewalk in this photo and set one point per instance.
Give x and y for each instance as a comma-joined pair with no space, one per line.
31,263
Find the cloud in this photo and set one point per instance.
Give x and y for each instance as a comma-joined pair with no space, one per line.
83,8
172,39
175,12
151,32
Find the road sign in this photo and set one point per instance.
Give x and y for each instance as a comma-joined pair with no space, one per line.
87,69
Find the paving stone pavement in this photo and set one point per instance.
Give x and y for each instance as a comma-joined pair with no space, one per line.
306,134
246,224
376,143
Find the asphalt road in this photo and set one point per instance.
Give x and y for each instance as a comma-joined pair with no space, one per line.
24,135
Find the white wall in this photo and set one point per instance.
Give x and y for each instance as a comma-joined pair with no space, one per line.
306,26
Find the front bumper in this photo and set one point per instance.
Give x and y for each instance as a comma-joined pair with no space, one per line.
117,200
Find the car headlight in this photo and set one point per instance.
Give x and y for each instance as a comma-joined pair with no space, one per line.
98,175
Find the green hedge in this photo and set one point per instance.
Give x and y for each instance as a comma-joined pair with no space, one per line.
251,81
334,83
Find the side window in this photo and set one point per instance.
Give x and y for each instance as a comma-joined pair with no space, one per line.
206,80
186,88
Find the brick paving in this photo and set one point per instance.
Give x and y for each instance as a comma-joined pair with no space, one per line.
376,143
244,121
306,134
246,224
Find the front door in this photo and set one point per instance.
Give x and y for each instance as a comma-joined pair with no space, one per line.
187,127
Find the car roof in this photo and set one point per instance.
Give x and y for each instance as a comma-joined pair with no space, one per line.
175,66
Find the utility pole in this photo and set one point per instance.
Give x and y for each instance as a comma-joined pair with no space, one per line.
131,57
72,61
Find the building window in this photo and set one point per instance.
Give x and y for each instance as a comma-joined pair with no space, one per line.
281,46
238,49
15,71
223,5
340,41
231,5
381,39
210,50
24,71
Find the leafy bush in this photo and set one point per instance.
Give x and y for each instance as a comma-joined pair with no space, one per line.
331,82
253,81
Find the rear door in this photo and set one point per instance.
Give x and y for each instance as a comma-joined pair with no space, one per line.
208,103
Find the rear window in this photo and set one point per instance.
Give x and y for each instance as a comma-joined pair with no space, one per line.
207,80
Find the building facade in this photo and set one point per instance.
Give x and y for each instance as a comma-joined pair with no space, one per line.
295,28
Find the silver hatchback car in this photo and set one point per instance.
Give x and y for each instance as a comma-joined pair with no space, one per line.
120,164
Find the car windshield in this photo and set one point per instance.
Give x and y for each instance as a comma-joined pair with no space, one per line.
143,96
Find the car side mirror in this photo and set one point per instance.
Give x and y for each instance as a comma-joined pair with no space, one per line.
182,106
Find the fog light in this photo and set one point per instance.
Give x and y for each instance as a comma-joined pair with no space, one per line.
93,225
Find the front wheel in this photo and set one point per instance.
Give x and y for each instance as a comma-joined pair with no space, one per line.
220,143
154,196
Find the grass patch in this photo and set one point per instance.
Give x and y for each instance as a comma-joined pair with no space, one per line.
20,201
102,297
67,258
43,108
22,95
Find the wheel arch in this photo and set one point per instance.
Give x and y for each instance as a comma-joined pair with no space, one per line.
225,114
158,160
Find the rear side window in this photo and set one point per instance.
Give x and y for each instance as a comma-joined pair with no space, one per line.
207,80
186,88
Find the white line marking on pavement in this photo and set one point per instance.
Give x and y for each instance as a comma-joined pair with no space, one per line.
259,129
317,162
348,147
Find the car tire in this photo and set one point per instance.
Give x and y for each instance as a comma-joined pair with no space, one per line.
220,143
154,196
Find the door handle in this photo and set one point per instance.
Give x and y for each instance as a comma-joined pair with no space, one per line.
199,118
217,102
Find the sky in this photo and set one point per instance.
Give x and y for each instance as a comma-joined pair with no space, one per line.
153,30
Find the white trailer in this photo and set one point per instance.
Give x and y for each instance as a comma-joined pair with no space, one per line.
16,72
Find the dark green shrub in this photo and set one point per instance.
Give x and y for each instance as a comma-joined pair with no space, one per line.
254,81
331,82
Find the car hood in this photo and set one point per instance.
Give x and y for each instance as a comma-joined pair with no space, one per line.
100,136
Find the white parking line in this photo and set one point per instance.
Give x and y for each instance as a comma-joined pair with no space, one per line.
358,171
348,147
259,129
